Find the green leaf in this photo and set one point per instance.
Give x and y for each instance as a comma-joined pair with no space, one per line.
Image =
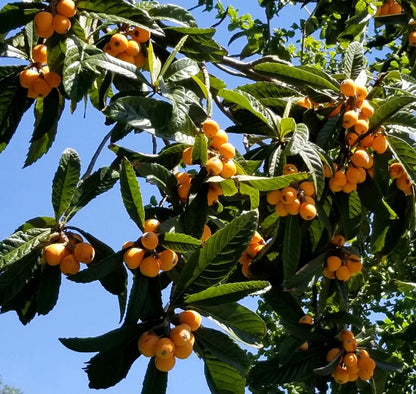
177,242
252,193
181,69
221,377
225,293
40,222
14,15
155,381
171,58
90,187
65,181
298,76
200,149
354,60
11,51
250,103
291,246
223,348
218,257
48,292
168,12
265,184
350,208
405,153
389,108
131,194
311,157
238,321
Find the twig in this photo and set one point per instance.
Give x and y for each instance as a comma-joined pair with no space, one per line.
208,86
223,110
96,154
229,71
222,18
154,144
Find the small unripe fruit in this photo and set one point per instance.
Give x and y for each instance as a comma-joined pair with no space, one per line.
84,252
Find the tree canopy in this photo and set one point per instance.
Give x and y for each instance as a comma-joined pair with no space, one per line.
315,215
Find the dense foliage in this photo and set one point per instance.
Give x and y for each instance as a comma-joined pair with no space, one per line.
317,216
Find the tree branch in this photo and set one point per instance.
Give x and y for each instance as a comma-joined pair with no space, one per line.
96,155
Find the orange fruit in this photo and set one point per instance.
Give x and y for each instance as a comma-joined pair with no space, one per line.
347,87
363,353
340,375
332,354
184,351
69,265
167,259
361,126
229,169
214,166
183,177
350,360
151,225
133,48
308,188
150,266
210,127
149,240
43,21
396,170
307,211
289,195
192,318
74,238
367,141
349,187
353,174
61,24
227,150
84,252
280,209
180,335
109,49
257,238
346,334
183,191
40,88
289,169
126,57
350,345
343,273
164,348
147,342
336,111
27,77
119,43
366,364
354,263
273,197
165,364
349,119
206,233
128,244
333,263
39,53
66,8
245,269
328,274
380,144
140,60
54,253
46,33
140,35
366,109
338,240
133,257
187,156
404,183
360,158
254,249
361,91
294,207
412,39
350,139
304,102
245,258
306,319
304,346
52,78
219,138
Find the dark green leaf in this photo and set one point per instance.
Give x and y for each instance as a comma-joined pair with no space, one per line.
354,61
14,15
265,184
179,242
389,108
169,12
155,381
291,246
49,284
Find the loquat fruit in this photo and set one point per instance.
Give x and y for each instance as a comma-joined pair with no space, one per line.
167,259
183,191
229,169
289,169
165,364
52,78
190,317
183,177
206,233
187,156
140,35
151,225
149,240
412,39
214,166
69,265
133,257
349,119
289,195
210,127
307,211
27,77
347,87
43,21
54,253
39,53
164,348
273,197
281,210
308,188
333,263
183,351
306,319
380,144
119,43
343,273
133,49
84,252
66,8
180,335
396,170
333,354
340,375
227,150
150,267
61,24
219,138
338,240
147,342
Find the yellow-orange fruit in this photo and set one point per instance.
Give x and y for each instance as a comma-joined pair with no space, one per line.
229,169
74,238
364,374
39,53
349,187
54,253
289,169
254,249
347,87
213,192
133,49
214,166
340,375
327,171
332,354
346,334
245,258
125,57
380,144
167,259
164,348
109,49
350,139
304,346
69,265
245,269
40,88
360,158
306,319
367,141
280,209
361,126
307,211
206,233
52,78
27,77
140,35
140,60
366,109
304,102
216,188
46,33
363,353
133,257
66,8
149,240
219,138
180,335
151,225
84,252
289,195
404,183
150,266
187,156
354,263
395,8
350,345
294,207
338,240
336,111
333,263
227,150
396,170
119,43
128,244
343,273
353,174
361,91
210,127
61,24
273,197
328,274
192,318
412,39
183,177
43,21
308,188
183,351
257,238
183,191
165,364
349,119
350,360
147,342
366,364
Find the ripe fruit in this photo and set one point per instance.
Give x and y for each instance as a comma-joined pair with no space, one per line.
133,257
347,87
361,126
229,169
361,91
350,139
69,265
40,88
140,60
180,335
281,210
54,253
27,77
404,183
360,158
140,35
164,348
396,170
210,127
306,319
343,273
150,266
227,150
183,177
304,102
274,196
333,263
184,351
206,233
183,191
52,78
149,240
191,318
354,263
307,211
43,21
340,375
350,344
125,57
304,346
294,207
214,166
349,119
350,360
353,174
308,188
219,138
380,143
167,259
165,364
187,156
412,39
119,43
289,169
39,53
61,24
66,8
338,240
133,48
147,342
84,252
289,195
349,187
332,354
366,109
346,334
152,224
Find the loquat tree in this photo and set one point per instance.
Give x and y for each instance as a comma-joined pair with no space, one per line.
316,216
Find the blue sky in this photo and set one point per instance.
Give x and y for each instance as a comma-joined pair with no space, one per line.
31,357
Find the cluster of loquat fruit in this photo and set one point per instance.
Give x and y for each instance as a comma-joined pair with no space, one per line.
142,254
341,264
353,363
403,182
296,199
257,243
56,19
37,78
389,7
130,50
179,343
69,253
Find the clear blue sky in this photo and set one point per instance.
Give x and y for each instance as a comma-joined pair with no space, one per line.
31,357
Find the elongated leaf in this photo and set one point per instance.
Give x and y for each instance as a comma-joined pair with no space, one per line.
131,194
14,15
354,61
265,184
171,58
90,187
65,181
223,348
252,193
350,209
40,222
179,242
181,69
200,150
389,108
313,161
11,51
297,76
250,103
291,246
225,293
49,284
168,12
405,153
219,255
155,381
238,321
